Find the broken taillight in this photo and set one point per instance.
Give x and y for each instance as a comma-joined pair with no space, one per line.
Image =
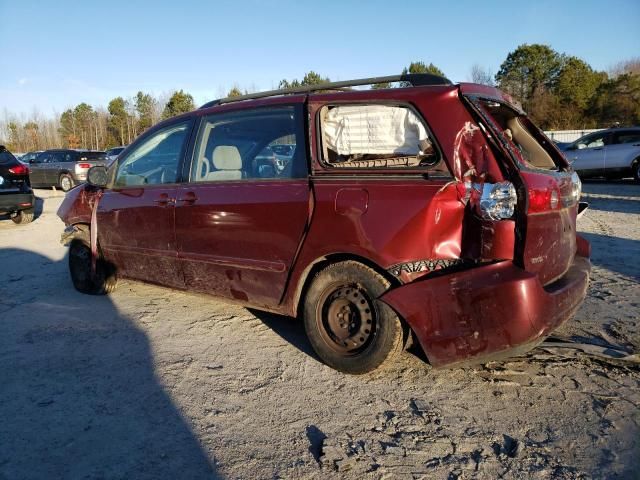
498,200
19,170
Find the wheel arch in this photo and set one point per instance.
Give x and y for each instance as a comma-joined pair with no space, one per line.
307,275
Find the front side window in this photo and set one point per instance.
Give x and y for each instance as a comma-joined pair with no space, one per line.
592,141
155,160
374,136
251,144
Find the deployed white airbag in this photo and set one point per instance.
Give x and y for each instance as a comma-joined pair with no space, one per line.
373,129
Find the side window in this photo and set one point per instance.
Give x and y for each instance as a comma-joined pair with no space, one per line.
44,157
627,137
593,141
253,144
375,136
155,160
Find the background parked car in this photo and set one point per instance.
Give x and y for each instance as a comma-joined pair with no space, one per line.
113,153
63,168
612,153
16,196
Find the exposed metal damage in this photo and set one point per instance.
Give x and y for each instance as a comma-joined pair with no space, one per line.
427,265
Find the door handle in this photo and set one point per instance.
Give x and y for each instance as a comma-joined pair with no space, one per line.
599,148
164,200
189,198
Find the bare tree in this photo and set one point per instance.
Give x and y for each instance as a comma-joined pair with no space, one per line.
631,66
482,75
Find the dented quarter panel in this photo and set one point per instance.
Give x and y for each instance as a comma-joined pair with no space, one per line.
478,314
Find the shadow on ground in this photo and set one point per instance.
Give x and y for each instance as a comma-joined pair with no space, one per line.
79,396
613,252
292,331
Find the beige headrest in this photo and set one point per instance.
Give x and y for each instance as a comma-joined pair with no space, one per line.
227,157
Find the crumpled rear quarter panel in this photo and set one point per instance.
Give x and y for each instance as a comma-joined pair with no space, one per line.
477,313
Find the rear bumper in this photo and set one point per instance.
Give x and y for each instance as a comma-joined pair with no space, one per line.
13,202
489,312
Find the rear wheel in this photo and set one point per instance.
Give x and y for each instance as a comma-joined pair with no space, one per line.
347,326
23,216
104,281
65,182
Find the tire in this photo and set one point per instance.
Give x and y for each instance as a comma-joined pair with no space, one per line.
66,182
636,170
23,217
349,329
105,279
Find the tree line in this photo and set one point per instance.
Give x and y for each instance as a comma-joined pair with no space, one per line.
557,90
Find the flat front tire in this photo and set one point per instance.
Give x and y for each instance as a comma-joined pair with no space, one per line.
104,281
347,326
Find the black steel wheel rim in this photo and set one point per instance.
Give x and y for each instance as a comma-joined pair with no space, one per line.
346,318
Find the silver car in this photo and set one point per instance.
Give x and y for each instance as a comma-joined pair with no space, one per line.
113,153
612,153
63,168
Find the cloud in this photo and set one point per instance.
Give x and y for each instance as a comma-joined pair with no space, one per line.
23,81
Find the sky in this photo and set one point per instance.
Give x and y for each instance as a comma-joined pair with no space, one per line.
56,54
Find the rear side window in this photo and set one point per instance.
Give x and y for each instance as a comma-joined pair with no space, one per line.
627,137
264,143
375,136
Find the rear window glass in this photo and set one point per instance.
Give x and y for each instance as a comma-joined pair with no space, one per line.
91,156
375,136
517,131
7,157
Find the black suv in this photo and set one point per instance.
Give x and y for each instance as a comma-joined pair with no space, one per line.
16,196
63,168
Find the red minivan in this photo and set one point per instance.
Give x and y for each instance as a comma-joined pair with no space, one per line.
436,211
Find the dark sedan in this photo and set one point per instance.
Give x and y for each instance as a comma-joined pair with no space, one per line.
16,196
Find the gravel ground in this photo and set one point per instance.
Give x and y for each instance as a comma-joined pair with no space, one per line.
154,383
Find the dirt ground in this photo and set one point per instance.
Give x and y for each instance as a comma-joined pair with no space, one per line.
154,383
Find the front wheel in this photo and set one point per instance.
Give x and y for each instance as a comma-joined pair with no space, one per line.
636,170
348,327
104,281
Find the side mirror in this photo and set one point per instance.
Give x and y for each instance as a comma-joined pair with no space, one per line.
97,176
32,160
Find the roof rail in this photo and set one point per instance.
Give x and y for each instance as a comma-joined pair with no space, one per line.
415,79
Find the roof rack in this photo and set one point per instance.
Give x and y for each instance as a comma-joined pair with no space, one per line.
415,79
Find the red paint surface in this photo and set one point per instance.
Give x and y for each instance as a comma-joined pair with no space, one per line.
238,239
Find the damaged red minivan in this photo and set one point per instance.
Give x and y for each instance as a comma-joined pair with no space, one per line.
434,211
